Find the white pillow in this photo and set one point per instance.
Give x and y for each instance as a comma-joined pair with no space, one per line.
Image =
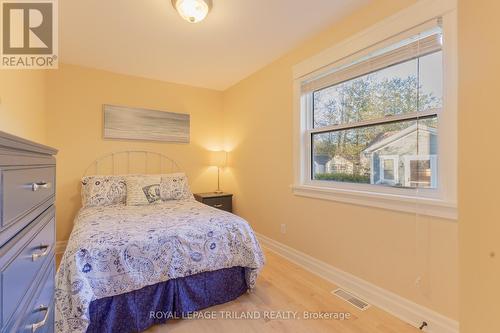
143,190
103,190
174,186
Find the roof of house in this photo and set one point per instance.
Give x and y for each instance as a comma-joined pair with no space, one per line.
389,137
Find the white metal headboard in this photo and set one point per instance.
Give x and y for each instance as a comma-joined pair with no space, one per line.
132,161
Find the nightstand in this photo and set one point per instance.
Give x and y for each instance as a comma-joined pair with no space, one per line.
222,201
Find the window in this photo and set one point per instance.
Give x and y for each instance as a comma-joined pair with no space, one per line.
386,104
421,171
389,169
376,125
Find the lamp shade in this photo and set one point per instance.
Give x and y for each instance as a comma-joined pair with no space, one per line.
218,158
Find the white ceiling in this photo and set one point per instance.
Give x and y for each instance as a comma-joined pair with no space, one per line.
147,38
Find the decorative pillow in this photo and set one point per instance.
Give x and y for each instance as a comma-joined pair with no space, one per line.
143,190
174,186
103,190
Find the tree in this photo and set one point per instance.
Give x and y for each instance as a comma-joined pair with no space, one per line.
363,99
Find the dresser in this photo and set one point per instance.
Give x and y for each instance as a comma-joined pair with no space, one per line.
27,235
222,200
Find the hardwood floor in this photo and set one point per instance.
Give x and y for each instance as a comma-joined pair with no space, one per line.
284,286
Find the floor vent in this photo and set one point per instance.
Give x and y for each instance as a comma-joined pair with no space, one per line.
354,300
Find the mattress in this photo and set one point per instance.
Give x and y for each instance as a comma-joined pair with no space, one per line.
114,250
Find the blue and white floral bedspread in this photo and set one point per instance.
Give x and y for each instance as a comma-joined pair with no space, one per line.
117,249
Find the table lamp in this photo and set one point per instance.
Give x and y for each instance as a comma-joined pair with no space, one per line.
218,159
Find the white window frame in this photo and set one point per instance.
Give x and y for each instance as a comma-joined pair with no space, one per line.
440,202
395,161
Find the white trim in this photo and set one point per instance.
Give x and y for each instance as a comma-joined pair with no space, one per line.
407,204
441,202
404,309
448,123
376,121
61,247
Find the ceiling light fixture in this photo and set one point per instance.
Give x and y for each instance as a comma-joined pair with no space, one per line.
192,11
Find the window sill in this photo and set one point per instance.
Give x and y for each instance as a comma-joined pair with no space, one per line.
407,204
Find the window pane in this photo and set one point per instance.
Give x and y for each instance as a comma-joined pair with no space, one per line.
431,81
389,169
420,172
357,155
403,88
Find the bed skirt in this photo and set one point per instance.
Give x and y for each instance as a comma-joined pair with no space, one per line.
132,312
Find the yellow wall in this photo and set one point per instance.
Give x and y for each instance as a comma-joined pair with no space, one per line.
479,161
22,104
63,108
387,248
74,103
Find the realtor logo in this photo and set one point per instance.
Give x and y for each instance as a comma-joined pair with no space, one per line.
29,34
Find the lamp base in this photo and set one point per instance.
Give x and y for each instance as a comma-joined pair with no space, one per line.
218,191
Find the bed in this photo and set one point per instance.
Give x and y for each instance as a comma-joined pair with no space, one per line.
125,263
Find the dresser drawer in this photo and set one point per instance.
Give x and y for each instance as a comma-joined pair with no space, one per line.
39,317
21,263
24,189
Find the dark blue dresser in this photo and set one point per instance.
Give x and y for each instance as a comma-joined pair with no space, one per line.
27,235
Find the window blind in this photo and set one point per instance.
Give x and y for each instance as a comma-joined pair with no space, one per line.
414,49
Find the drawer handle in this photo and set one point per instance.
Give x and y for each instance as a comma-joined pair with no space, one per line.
36,326
45,251
40,185
218,205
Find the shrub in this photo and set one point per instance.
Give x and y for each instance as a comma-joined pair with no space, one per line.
343,177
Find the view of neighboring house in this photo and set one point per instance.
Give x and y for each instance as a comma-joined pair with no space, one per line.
339,164
404,158
319,163
338,168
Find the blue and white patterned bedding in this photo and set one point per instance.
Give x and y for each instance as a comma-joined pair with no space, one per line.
117,249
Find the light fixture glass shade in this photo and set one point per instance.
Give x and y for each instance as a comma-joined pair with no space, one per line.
218,158
192,11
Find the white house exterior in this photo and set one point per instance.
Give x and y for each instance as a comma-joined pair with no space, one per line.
406,158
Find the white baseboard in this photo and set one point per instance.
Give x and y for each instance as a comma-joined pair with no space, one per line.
61,247
404,309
